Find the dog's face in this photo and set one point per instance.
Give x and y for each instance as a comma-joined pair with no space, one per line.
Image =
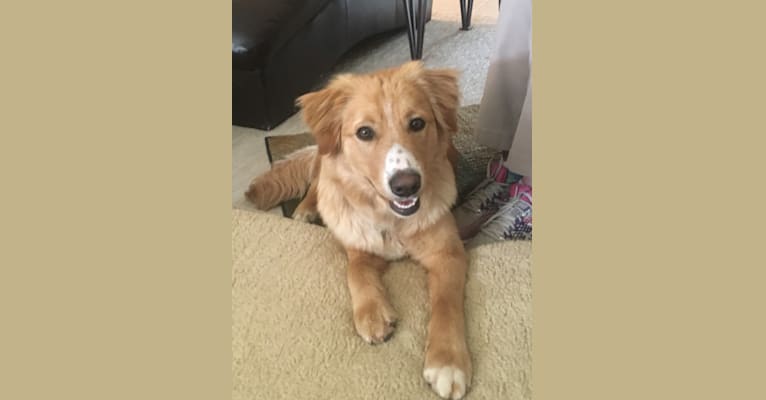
389,127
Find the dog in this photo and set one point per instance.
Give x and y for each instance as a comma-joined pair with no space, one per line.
381,177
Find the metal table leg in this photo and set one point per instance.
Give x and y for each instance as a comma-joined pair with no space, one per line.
416,23
466,8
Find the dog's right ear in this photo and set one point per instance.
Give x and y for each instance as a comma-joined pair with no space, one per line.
322,111
442,88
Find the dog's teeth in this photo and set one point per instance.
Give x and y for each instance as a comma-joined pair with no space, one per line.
409,203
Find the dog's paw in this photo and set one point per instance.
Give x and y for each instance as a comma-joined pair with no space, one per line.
262,194
448,369
305,215
375,321
448,381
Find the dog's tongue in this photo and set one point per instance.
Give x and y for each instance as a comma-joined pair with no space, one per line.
405,202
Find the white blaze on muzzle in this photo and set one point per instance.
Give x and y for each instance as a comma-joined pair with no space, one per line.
398,159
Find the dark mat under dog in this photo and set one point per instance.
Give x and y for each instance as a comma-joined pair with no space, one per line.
471,166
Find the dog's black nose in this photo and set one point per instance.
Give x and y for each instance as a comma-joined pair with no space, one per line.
405,183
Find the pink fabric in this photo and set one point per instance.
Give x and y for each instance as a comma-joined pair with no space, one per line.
521,189
498,170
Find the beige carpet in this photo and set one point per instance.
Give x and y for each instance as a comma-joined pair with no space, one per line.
292,333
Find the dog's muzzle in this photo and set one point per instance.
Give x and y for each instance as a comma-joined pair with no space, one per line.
405,185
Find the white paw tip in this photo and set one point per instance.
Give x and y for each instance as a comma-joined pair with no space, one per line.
448,382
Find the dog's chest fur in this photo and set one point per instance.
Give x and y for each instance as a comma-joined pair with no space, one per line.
361,229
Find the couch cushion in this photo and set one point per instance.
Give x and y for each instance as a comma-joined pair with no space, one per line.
261,26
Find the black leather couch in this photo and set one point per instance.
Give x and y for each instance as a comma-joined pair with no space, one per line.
284,48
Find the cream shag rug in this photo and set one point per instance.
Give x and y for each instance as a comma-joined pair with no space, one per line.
293,336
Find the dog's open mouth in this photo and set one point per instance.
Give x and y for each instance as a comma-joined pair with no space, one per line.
405,207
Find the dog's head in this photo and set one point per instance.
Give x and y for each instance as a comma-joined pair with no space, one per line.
392,127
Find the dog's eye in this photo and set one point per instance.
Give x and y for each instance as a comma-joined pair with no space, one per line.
417,124
365,133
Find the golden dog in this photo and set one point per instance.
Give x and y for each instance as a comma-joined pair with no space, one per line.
381,177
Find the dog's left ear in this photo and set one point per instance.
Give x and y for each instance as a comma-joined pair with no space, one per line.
444,94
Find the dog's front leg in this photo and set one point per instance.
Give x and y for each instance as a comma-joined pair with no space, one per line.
447,365
374,318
